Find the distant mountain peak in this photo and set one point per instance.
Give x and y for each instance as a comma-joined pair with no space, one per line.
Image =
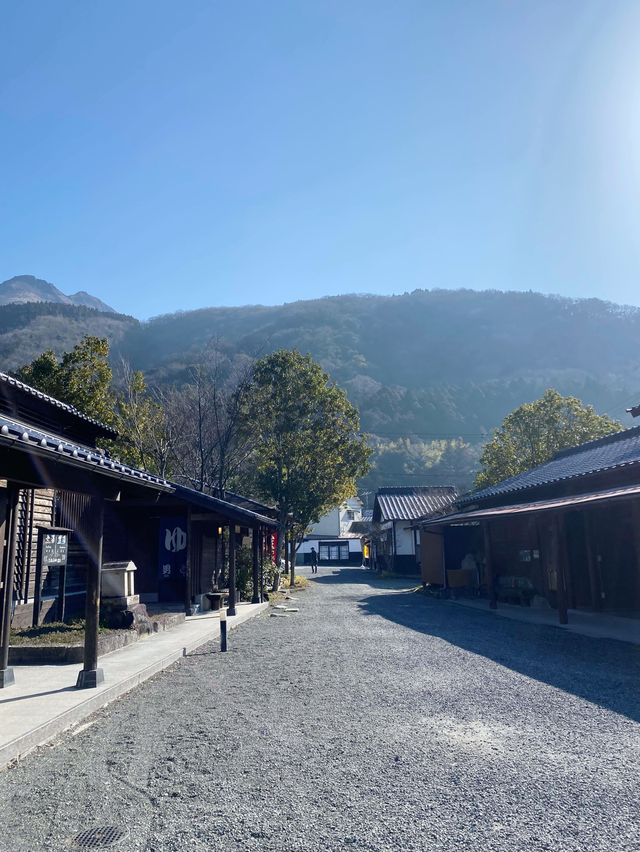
27,288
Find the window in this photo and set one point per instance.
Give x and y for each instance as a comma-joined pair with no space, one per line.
335,551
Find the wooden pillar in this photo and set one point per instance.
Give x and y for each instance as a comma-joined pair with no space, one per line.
560,557
261,558
635,527
9,561
595,592
255,547
188,579
91,675
231,609
222,581
488,556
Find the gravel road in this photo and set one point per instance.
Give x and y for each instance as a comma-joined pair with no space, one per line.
373,719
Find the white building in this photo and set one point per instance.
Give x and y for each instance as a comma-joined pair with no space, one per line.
332,539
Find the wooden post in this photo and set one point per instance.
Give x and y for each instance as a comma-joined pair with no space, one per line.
27,561
188,580
9,561
635,525
595,591
223,557
261,558
491,583
257,568
91,675
231,609
560,555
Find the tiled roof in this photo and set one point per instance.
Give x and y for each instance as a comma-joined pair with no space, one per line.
407,502
30,439
11,382
248,503
358,528
621,449
225,508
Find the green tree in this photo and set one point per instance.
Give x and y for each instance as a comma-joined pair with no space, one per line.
81,377
309,448
534,432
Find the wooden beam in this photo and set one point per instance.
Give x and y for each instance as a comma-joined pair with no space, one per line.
255,547
231,608
561,558
187,569
488,556
9,551
91,675
595,592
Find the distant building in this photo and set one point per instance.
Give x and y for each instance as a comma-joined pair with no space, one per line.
334,540
394,539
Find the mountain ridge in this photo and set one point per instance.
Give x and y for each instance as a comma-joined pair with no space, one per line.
23,289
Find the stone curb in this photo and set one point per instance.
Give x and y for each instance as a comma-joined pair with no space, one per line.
19,747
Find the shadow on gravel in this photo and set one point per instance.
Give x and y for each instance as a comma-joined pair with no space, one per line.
602,671
355,576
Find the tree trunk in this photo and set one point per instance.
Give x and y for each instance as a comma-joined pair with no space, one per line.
292,561
282,534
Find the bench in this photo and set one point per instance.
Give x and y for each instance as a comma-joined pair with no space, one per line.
518,589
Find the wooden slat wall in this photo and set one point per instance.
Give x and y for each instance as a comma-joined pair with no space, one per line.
35,509
73,511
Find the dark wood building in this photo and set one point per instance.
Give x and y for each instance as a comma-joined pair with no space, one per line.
53,475
565,534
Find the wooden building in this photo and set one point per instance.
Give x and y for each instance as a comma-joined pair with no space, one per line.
54,475
565,534
394,538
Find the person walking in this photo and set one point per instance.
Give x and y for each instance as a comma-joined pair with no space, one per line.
314,561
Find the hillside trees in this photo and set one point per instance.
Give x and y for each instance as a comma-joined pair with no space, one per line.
309,450
84,378
536,431
81,377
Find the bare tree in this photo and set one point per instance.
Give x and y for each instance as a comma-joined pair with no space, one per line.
213,433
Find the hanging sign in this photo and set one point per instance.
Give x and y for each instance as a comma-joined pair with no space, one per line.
172,548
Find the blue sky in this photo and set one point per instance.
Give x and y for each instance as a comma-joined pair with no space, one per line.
170,155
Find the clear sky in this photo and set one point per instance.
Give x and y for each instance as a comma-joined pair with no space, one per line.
168,155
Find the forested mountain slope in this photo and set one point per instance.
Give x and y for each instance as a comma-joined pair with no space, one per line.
428,361
424,368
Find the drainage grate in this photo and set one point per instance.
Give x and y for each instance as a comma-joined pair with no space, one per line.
99,838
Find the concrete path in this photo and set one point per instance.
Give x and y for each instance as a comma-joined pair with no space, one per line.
44,701
373,719
600,625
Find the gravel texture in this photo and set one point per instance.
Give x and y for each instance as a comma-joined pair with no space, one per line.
373,719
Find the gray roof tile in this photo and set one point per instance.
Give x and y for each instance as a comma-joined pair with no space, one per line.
619,450
409,502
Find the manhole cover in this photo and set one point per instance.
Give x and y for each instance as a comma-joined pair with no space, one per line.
99,838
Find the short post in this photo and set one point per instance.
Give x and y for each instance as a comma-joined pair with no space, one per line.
223,629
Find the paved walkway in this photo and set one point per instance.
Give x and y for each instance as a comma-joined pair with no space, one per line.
598,625
372,719
44,700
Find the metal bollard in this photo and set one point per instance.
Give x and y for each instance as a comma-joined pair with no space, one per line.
223,629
